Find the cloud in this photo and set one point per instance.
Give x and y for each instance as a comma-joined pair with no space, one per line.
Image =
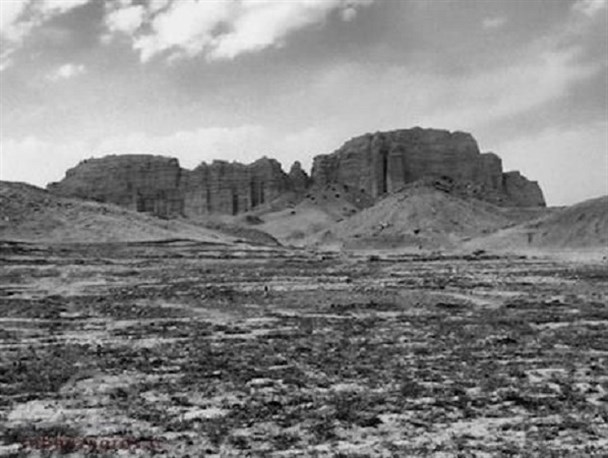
376,97
19,17
498,94
52,7
260,25
493,23
10,13
395,96
589,7
126,20
348,14
217,29
186,28
67,71
220,29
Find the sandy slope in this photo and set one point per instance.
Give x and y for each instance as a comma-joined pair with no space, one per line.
29,213
581,226
320,209
421,217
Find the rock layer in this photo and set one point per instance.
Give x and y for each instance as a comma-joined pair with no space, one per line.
223,187
140,182
384,162
373,164
158,185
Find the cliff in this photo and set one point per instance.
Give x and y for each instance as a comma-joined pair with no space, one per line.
232,188
139,182
384,162
372,165
158,185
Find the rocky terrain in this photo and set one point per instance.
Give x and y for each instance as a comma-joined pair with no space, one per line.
360,312
197,349
28,213
374,164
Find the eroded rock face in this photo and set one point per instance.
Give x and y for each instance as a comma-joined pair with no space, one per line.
224,187
300,181
158,185
373,164
521,191
384,162
143,183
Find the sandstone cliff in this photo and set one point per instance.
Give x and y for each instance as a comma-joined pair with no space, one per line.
300,181
372,165
139,182
384,162
158,185
223,187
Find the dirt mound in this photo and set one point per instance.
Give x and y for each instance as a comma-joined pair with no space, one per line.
419,216
319,209
584,225
29,213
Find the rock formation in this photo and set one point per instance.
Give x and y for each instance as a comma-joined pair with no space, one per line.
300,180
373,164
384,162
223,187
521,191
158,185
140,182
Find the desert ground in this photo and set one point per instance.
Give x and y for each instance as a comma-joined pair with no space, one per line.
199,348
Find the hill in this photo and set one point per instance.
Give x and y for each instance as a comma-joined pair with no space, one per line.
421,216
28,213
319,209
584,225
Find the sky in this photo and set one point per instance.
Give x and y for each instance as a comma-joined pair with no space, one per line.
290,79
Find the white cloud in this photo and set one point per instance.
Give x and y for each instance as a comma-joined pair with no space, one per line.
589,7
126,20
498,94
67,71
493,23
219,29
263,24
19,17
348,14
52,7
397,96
186,27
10,14
222,29
156,5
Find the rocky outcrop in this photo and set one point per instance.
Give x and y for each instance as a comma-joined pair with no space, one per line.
521,191
384,162
370,166
300,181
143,183
158,185
223,187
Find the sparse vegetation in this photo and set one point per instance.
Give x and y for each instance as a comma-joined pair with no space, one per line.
264,351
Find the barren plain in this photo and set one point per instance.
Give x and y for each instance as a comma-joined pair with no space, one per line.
204,349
